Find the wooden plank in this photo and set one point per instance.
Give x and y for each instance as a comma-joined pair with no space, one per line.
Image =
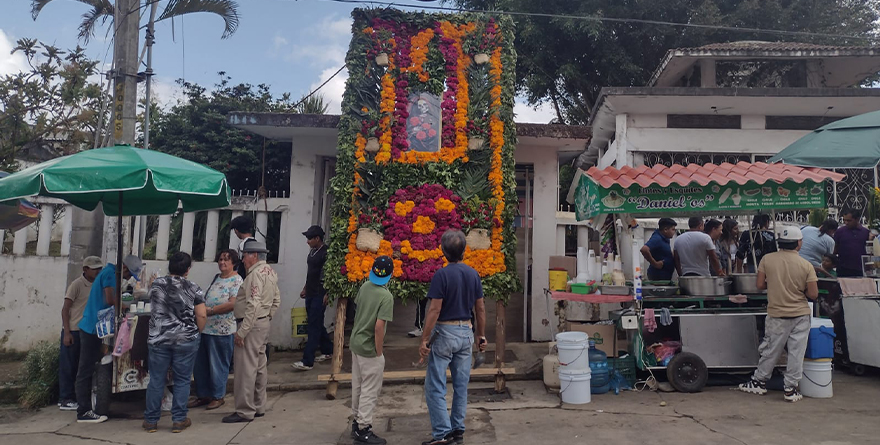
415,374
500,344
338,346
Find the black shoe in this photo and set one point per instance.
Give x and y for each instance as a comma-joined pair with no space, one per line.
235,418
258,415
444,441
90,417
367,436
354,429
458,437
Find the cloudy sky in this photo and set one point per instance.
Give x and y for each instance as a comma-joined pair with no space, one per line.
293,46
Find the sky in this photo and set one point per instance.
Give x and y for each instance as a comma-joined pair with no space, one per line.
291,45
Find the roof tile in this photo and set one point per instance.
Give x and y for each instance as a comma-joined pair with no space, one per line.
741,173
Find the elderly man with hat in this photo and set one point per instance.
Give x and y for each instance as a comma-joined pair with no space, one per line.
258,299
102,295
316,301
789,280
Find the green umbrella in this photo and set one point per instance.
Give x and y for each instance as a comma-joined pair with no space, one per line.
137,181
847,143
147,182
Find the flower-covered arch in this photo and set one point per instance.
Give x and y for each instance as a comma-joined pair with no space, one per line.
426,144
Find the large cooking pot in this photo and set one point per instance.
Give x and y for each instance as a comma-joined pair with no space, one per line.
704,286
745,283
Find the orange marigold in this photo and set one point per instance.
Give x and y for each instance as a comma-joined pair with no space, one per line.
423,225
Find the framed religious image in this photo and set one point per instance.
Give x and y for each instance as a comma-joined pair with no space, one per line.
423,126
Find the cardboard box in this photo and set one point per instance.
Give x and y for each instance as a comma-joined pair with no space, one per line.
569,263
602,335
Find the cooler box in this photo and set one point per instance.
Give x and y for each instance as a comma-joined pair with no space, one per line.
821,341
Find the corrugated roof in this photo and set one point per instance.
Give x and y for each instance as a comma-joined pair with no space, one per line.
740,173
772,46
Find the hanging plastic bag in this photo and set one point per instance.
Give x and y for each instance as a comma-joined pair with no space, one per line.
126,336
106,325
167,400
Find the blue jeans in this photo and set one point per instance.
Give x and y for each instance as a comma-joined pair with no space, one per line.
68,363
211,371
180,359
451,349
318,337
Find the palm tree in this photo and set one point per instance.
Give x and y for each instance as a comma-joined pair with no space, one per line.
102,11
314,104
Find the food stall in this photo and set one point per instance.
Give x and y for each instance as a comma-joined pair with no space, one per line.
690,326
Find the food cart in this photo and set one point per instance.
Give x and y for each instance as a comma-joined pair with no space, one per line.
707,329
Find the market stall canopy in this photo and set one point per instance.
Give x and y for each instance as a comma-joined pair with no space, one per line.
15,215
700,189
848,143
149,182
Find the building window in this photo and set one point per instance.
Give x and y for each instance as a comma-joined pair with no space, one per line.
714,121
761,74
808,123
667,158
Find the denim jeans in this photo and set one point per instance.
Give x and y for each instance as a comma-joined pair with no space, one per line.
318,337
451,349
89,355
211,371
68,363
180,359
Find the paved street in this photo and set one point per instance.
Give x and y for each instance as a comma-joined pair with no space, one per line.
717,416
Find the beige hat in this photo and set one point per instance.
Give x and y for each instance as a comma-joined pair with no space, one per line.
93,262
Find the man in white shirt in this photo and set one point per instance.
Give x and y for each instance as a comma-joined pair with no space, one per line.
694,251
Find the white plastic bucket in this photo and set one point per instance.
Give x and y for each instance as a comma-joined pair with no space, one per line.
572,347
575,387
817,379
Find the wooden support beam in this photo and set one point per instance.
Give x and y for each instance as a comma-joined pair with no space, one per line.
417,374
338,346
500,345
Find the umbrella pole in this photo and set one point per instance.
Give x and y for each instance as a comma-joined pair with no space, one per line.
119,258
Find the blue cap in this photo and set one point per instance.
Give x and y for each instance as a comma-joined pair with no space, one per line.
383,269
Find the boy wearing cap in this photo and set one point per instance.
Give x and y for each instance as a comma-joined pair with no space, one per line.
101,296
243,226
789,280
71,313
375,308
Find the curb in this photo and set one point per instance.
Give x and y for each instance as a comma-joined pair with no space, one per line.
10,394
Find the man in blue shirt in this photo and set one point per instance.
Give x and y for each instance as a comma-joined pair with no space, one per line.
447,339
658,253
102,296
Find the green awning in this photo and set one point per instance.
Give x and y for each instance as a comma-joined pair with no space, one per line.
847,143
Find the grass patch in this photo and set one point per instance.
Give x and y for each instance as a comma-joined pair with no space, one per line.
40,376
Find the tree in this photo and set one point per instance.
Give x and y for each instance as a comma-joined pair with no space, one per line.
102,10
51,104
566,61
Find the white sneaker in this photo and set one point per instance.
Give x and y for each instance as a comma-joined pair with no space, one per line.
299,366
68,405
323,358
414,333
90,417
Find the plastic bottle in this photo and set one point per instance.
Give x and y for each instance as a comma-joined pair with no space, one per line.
600,378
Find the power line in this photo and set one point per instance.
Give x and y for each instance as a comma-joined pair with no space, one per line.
319,86
605,19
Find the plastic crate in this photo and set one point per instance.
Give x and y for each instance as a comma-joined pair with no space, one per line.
626,366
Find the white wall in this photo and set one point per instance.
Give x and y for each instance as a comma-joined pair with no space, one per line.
543,242
710,141
31,295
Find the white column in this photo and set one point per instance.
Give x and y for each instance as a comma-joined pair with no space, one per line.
211,231
162,237
622,151
560,240
136,236
233,240
281,235
186,234
583,236
19,243
262,226
44,235
67,230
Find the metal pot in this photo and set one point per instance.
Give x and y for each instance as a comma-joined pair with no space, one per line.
745,283
704,286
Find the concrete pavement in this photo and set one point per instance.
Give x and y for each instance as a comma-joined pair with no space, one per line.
717,415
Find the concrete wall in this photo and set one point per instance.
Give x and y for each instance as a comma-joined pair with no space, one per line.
31,295
543,243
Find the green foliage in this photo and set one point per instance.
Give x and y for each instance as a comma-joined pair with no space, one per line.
40,375
817,217
197,129
468,180
567,61
50,104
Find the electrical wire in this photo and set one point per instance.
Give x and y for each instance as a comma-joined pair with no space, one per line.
319,87
605,19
